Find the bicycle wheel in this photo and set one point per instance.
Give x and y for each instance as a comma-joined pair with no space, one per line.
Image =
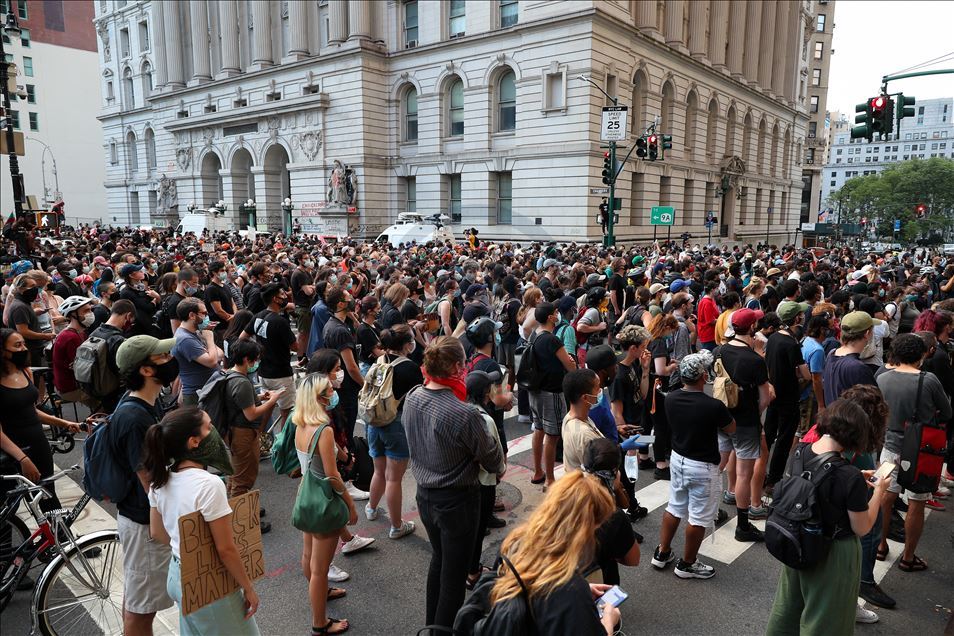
13,534
89,604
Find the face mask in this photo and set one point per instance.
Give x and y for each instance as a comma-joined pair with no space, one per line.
204,324
190,291
349,285
413,347
167,372
333,402
20,359
309,263
86,269
223,276
333,280
339,378
497,338
72,273
139,286
211,452
154,266
88,319
254,367
30,295
470,276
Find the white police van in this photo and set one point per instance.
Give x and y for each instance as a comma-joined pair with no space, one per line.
414,227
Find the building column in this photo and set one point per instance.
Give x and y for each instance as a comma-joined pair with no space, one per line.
234,192
792,52
698,27
172,35
261,35
159,46
736,42
675,13
338,22
359,19
696,193
718,31
228,30
201,64
297,31
780,55
646,15
753,17
765,51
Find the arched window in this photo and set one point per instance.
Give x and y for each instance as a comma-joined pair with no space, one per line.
132,155
150,149
146,80
746,153
667,108
129,91
410,115
787,156
712,120
455,108
773,159
760,150
692,105
730,118
640,84
507,102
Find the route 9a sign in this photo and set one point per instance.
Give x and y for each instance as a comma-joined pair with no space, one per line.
662,215
613,124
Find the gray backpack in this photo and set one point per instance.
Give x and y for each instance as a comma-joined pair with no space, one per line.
91,367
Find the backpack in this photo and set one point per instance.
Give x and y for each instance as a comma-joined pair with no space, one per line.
433,306
581,337
634,316
91,367
214,399
284,455
474,359
724,388
162,320
377,405
528,372
922,452
793,531
501,314
105,475
479,617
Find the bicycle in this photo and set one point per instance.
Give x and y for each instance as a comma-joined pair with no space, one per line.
61,440
80,591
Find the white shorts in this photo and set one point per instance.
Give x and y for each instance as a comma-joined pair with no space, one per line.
694,489
895,487
287,400
145,568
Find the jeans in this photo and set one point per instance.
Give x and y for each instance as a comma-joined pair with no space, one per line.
869,549
488,495
450,517
781,422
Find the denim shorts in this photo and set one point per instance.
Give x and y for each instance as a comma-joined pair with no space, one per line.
388,441
694,490
746,441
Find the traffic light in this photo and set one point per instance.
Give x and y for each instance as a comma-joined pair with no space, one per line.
653,143
920,209
666,144
641,147
905,108
863,119
882,115
607,169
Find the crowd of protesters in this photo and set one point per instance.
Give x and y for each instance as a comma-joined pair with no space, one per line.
833,351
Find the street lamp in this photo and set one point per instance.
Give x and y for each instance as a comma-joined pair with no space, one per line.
287,207
219,208
610,239
57,195
12,30
249,208
191,207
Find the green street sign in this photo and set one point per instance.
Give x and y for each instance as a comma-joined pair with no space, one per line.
662,215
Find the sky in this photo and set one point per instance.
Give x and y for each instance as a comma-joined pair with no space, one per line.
875,38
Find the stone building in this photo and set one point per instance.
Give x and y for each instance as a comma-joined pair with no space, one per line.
471,108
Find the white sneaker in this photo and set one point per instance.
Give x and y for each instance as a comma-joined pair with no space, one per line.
356,543
336,574
942,492
372,513
356,493
864,615
406,528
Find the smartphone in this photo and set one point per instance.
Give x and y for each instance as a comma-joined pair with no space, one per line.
613,596
883,471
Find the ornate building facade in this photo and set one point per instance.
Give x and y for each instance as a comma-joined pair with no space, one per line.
470,108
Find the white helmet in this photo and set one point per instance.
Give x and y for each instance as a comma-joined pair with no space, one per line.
928,270
73,303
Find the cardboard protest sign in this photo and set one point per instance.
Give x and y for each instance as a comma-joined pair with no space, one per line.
204,577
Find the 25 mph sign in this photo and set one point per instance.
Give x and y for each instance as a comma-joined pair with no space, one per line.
613,126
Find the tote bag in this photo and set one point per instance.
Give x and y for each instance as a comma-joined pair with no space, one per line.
318,508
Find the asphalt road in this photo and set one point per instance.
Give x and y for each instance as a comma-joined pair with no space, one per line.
386,588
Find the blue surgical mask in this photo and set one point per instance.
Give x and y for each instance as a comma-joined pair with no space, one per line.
190,291
497,338
254,367
205,323
72,273
333,402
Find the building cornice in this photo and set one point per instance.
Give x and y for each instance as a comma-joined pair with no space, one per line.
249,113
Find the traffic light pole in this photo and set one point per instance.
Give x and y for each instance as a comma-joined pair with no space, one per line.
610,240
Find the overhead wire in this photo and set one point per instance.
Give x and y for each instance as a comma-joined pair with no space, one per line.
937,60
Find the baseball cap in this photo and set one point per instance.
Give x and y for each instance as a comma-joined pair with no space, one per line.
478,382
475,289
745,318
655,288
601,357
137,348
484,326
129,268
100,260
773,271
677,285
638,259
857,322
566,303
595,278
692,366
788,309
550,262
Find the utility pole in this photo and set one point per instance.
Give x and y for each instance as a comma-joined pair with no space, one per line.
12,30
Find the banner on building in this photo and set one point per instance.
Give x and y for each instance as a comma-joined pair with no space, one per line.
204,577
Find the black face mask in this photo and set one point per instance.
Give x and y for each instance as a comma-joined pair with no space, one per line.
20,359
167,372
30,295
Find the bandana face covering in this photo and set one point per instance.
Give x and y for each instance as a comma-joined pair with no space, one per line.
211,451
455,383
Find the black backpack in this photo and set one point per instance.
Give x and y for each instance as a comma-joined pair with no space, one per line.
794,533
528,371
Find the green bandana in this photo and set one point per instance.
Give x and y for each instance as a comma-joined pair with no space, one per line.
211,451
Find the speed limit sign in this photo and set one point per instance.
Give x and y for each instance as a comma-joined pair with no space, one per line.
613,125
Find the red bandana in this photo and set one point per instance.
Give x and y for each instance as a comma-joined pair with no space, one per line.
456,384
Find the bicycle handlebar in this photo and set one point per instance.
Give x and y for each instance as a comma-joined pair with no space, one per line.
30,486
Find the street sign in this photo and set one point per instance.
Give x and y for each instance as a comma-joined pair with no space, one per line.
897,225
808,227
599,190
613,125
662,215
710,216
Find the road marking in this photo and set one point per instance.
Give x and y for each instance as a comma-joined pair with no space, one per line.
895,550
721,544
654,495
520,445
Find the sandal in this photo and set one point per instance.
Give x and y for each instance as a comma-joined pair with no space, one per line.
538,481
916,564
881,554
336,592
326,630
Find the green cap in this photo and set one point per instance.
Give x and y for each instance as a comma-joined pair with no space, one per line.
137,348
638,259
787,309
857,322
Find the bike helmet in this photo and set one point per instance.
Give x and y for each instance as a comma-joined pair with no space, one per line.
73,303
927,270
21,267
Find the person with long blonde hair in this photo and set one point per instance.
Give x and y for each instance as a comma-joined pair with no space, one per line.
548,553
316,396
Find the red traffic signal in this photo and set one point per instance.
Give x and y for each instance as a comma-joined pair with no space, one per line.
652,139
920,209
878,103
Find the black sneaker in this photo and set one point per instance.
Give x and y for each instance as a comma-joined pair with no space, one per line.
261,513
636,512
661,473
751,533
661,560
873,593
697,570
722,517
265,527
496,522
646,464
639,537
